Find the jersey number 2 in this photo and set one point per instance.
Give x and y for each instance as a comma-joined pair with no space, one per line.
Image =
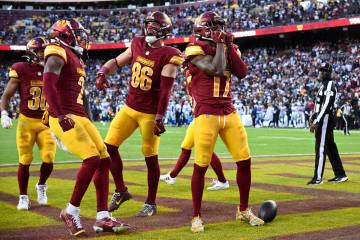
38,99
140,76
80,99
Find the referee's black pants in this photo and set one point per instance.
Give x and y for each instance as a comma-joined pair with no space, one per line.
325,145
346,121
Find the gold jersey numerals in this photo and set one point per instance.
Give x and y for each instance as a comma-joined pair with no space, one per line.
217,86
38,100
140,76
80,99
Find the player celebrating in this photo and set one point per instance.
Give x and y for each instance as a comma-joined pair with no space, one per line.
153,70
27,78
186,146
64,78
214,112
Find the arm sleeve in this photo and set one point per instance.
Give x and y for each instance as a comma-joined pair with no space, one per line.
51,93
236,64
13,73
164,95
55,50
193,50
15,70
174,57
328,94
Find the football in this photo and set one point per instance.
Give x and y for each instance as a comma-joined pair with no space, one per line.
268,211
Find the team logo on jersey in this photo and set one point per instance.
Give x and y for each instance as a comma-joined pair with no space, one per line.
147,53
39,74
145,61
35,83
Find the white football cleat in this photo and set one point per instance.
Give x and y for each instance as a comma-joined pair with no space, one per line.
41,194
197,225
24,203
168,179
219,185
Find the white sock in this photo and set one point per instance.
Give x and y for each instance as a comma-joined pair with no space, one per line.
102,214
24,196
71,209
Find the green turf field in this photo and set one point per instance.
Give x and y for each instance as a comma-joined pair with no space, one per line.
328,211
263,141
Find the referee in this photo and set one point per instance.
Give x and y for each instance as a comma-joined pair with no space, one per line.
346,112
322,124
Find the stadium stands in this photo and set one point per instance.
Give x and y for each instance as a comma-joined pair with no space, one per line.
121,24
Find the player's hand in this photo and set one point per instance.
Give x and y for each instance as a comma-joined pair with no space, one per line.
229,38
66,123
45,118
5,119
101,82
314,127
159,127
218,36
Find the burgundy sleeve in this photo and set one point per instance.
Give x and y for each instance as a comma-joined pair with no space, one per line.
237,65
51,93
164,96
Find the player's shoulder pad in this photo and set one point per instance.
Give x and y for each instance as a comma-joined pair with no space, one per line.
17,69
194,49
174,55
55,49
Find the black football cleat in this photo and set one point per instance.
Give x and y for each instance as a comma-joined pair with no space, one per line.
315,181
117,199
339,179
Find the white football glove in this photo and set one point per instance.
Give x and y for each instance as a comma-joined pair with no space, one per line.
5,120
59,143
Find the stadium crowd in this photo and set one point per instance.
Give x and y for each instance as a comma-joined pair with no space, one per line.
113,25
278,90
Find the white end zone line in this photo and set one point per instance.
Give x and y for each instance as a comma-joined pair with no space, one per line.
172,158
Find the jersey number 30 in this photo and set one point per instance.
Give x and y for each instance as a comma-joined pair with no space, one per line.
38,99
140,76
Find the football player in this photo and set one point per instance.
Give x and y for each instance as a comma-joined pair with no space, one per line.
212,59
186,146
26,77
153,70
64,78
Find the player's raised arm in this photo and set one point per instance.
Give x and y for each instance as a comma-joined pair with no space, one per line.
110,67
5,99
213,66
236,64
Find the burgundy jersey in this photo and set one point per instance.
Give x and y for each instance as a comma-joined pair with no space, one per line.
32,99
70,86
146,66
212,94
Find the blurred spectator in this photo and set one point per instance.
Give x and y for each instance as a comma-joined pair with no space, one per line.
280,84
121,24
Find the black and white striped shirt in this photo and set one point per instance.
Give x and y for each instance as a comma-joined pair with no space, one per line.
325,100
346,109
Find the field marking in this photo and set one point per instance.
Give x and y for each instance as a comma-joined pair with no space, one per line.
225,156
287,138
